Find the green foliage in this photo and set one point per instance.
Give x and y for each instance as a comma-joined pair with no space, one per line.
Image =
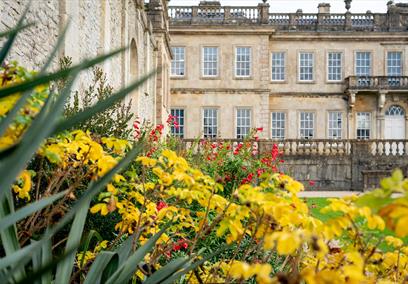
114,121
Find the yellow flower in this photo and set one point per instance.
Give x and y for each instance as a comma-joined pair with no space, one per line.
24,191
395,242
147,162
102,207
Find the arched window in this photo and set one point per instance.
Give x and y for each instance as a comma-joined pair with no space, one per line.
133,59
395,111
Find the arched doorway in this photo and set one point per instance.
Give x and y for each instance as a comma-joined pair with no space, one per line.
394,123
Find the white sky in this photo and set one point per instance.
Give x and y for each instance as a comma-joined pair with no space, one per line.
308,6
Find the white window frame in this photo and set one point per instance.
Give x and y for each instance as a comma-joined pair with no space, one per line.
204,62
358,63
366,127
331,68
178,63
305,131
243,124
241,71
281,75
280,122
333,120
401,62
302,65
180,132
214,132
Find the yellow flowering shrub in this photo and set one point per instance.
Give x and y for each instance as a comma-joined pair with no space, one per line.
269,215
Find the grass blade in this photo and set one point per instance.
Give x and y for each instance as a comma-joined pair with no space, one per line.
27,210
128,268
166,270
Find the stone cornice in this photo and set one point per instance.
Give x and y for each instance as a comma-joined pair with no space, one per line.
221,30
401,37
200,91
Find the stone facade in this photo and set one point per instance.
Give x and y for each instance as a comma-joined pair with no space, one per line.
320,35
97,27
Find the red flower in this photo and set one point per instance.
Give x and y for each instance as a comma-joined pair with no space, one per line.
260,172
259,129
275,152
312,182
160,205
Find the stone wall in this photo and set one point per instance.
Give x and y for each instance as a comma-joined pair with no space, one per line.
95,27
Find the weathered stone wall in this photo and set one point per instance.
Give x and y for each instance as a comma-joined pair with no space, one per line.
32,45
95,27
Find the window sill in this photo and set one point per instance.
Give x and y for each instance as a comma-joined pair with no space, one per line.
243,78
178,77
210,78
306,82
278,82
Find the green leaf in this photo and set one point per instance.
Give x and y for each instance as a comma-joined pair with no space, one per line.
167,270
27,210
101,105
127,269
104,260
65,267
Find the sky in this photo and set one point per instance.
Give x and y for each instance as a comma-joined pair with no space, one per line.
308,6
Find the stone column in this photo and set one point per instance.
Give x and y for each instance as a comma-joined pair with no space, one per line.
380,126
406,126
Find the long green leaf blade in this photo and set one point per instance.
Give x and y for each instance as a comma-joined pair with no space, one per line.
15,30
6,121
66,266
103,259
28,210
127,269
12,36
44,79
166,271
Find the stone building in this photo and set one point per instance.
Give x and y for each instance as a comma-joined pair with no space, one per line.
297,75
97,27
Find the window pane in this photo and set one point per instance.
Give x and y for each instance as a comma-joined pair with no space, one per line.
334,65
335,125
177,128
306,66
243,123
363,125
278,125
278,66
178,63
243,61
307,125
210,61
363,67
210,125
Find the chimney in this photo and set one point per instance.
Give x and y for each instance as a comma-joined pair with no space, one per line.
324,8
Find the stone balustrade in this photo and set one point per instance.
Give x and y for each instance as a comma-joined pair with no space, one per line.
315,147
377,82
394,20
331,164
